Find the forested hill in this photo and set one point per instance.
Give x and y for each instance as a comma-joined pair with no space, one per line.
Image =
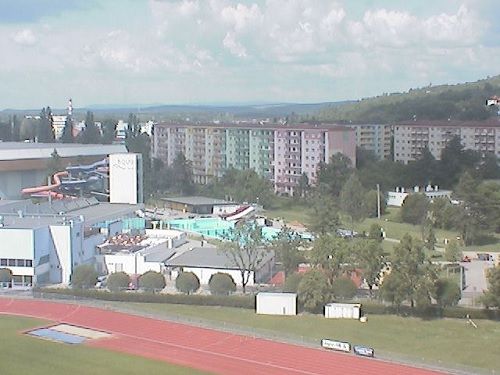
459,102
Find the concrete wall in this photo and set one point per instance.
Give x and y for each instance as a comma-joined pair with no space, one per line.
204,274
125,178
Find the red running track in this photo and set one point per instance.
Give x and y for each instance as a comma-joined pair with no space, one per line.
204,349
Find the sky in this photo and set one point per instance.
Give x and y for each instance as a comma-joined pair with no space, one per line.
142,52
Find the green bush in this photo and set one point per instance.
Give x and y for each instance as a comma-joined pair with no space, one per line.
187,282
344,288
152,281
245,302
447,292
292,283
84,277
118,281
5,275
221,284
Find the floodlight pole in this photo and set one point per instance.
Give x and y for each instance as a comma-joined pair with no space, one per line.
378,201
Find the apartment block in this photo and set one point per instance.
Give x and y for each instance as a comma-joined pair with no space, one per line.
374,137
411,137
280,153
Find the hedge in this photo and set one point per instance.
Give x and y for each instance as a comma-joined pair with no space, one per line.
244,302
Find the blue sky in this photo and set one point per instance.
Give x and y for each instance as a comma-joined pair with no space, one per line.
221,51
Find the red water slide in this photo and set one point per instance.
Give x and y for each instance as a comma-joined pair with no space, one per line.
39,189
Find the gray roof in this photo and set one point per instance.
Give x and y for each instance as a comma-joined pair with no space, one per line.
38,215
26,150
207,257
197,200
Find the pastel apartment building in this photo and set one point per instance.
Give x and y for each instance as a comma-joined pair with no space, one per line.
374,137
411,137
280,153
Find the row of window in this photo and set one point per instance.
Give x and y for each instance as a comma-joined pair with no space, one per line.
16,262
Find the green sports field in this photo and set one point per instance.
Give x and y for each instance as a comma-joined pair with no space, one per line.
21,354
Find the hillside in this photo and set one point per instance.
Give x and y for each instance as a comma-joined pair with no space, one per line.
460,102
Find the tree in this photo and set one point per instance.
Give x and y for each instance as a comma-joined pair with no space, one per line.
333,255
67,135
45,133
84,276
221,283
152,281
303,187
352,199
452,252
286,246
187,282
314,290
370,258
292,283
118,281
414,209
344,288
5,275
447,292
333,175
491,297
428,234
375,233
91,134
245,250
412,276
371,203
54,164
182,175
247,186
108,131
324,218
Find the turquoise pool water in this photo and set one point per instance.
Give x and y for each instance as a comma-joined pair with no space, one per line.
217,228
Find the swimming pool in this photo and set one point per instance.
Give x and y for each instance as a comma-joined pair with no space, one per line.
218,228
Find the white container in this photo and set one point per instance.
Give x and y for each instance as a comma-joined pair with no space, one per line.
277,303
343,310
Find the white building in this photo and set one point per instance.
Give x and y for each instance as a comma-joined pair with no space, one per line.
138,254
42,243
206,261
397,198
276,303
58,124
343,310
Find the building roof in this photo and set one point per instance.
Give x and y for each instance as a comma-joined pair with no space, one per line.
492,123
29,150
42,214
305,126
208,257
197,201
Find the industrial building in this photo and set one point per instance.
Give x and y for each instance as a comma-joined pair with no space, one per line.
24,164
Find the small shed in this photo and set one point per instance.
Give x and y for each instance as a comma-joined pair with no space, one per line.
277,303
343,310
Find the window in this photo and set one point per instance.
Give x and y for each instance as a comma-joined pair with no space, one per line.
11,262
20,262
3,262
29,263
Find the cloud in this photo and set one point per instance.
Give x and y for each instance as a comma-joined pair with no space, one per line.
233,45
25,37
16,11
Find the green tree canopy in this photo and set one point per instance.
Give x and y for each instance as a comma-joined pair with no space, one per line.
286,246
314,291
67,135
187,282
5,275
333,175
371,260
412,275
152,281
414,209
324,217
332,255
84,276
447,292
292,283
118,281
352,199
245,250
344,288
91,133
491,297
221,283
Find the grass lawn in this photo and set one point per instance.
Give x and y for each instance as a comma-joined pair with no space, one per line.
447,341
21,354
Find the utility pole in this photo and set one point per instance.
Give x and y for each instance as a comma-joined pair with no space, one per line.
378,201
